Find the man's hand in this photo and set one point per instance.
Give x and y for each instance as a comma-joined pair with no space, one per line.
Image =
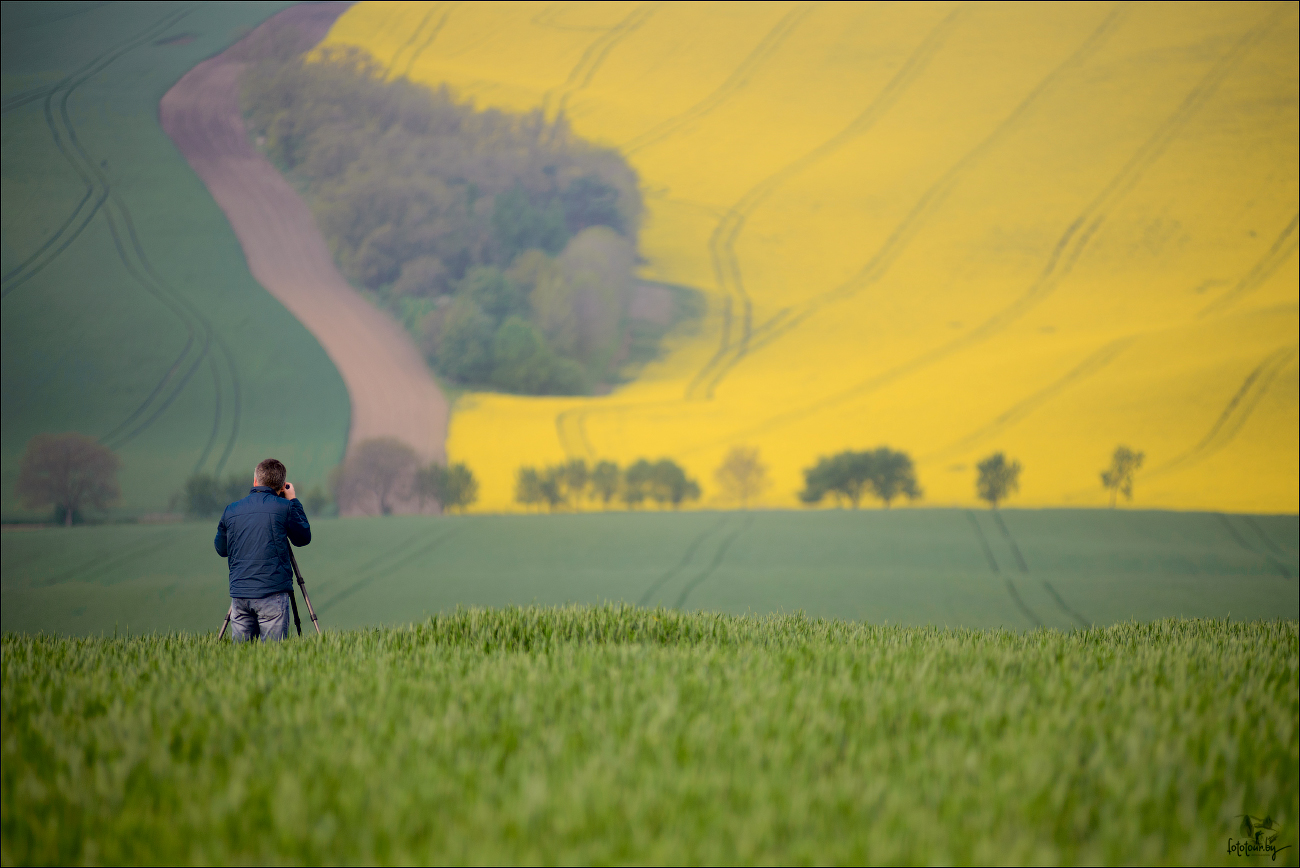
288,491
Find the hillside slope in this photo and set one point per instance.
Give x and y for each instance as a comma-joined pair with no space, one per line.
1042,228
129,313
391,391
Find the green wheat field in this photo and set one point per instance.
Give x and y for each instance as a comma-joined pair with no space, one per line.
618,734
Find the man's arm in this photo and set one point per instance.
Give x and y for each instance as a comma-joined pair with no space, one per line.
296,526
220,541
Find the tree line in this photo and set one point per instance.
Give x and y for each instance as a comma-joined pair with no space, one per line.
573,483
503,241
73,474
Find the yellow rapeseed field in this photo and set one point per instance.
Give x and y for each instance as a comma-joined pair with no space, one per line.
953,229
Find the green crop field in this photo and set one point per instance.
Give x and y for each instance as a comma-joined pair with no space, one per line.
129,313
1016,569
616,735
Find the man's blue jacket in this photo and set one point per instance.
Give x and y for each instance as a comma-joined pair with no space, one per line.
254,536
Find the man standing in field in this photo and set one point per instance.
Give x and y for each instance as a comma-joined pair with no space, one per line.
254,536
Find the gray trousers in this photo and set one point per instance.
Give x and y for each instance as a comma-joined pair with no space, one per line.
266,618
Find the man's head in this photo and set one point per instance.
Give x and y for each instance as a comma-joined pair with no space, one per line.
270,473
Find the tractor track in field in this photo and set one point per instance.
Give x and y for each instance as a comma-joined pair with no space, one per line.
130,251
733,84
1012,591
928,204
398,559
681,564
718,367
445,9
390,389
1023,567
1235,413
1093,364
718,556
1268,556
26,269
722,243
555,102
1073,241
1278,253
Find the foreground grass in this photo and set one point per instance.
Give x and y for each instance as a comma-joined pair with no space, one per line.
630,735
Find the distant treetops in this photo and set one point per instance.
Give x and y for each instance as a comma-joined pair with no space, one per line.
73,473
503,241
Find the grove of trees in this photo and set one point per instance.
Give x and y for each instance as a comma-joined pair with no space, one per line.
383,475
569,485
503,241
849,476
69,472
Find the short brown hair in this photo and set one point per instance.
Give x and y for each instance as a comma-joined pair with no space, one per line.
271,473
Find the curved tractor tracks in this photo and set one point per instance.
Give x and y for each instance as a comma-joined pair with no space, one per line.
101,198
556,101
390,388
1074,239
722,243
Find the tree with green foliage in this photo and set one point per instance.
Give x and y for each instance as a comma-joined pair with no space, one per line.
69,472
998,479
575,477
670,486
638,480
1118,478
742,476
206,496
846,475
528,486
892,475
605,481
453,486
503,241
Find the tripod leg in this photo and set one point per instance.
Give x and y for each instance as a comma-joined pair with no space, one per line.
224,625
303,586
294,603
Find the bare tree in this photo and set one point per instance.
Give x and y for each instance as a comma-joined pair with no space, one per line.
998,478
741,476
381,471
1118,479
68,472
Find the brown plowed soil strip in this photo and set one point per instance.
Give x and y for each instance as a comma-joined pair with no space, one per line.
390,387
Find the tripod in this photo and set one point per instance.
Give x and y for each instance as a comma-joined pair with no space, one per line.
293,601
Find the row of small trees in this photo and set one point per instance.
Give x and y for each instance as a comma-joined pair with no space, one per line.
570,484
72,472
